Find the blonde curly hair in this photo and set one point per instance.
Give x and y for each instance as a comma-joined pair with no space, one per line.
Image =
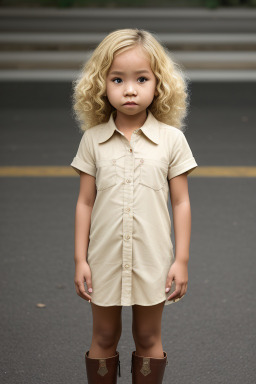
91,107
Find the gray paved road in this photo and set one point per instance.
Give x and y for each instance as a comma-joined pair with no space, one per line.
210,335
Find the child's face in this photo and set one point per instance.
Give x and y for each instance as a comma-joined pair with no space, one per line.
129,85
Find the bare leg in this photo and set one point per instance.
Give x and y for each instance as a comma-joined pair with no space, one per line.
146,329
107,329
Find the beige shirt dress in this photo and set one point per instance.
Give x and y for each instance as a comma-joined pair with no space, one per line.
130,250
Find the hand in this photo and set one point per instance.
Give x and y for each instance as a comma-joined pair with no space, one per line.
83,274
179,273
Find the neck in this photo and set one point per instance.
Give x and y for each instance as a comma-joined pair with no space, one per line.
126,122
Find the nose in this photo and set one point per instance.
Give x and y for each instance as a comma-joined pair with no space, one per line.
130,89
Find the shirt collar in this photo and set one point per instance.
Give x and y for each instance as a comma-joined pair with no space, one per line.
150,128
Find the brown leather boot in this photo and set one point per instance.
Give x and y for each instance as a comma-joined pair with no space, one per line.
102,371
148,370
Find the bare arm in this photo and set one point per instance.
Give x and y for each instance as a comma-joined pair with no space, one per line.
84,208
182,230
181,216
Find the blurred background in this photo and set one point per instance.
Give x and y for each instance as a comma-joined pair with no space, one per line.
129,3
209,336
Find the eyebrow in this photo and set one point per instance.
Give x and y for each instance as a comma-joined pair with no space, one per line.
121,73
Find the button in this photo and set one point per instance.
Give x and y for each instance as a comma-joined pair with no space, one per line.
127,237
113,161
128,180
127,209
130,150
127,265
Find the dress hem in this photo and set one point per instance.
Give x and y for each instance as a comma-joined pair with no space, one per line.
167,302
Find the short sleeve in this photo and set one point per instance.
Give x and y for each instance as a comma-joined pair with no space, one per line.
182,159
84,161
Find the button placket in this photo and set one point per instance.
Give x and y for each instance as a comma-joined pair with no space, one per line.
127,252
126,293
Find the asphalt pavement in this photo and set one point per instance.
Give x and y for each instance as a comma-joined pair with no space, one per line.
209,336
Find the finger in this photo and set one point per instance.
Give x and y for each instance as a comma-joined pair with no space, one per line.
183,290
85,297
81,288
82,293
175,294
77,291
168,284
89,285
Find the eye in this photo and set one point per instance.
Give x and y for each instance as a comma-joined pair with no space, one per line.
142,77
116,78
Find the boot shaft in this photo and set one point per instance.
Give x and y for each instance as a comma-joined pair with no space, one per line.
148,370
102,370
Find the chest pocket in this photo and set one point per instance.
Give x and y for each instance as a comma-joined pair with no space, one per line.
105,174
153,173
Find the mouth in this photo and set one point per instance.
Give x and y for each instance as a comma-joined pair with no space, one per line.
130,103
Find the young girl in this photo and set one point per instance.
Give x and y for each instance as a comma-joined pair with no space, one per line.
130,101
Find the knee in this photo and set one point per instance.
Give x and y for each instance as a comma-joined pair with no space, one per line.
107,337
146,339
